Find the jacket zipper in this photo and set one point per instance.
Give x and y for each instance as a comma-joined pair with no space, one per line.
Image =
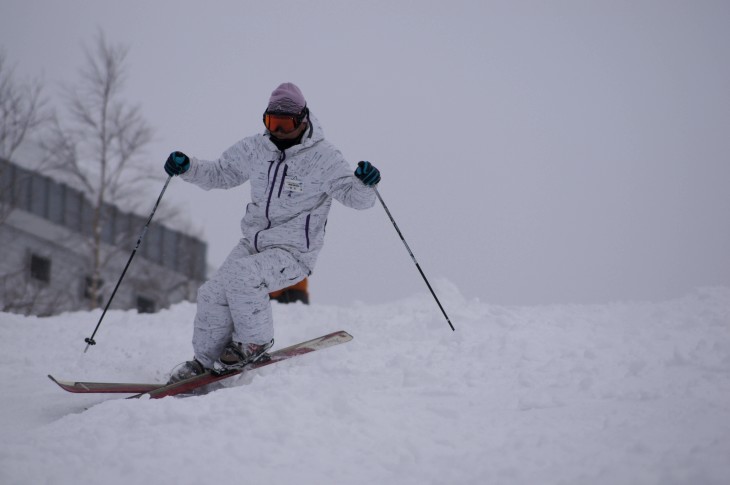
306,229
283,178
282,156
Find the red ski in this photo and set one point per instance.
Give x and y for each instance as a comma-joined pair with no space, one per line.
161,390
94,387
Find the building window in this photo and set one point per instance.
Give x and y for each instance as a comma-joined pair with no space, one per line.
40,268
89,285
145,305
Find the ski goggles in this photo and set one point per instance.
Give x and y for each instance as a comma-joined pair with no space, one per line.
282,122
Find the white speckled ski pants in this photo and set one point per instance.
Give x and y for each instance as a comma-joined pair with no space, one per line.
234,304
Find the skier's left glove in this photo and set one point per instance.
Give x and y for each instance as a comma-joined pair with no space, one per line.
177,163
367,173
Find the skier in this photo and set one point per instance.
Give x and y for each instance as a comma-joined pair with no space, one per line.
294,173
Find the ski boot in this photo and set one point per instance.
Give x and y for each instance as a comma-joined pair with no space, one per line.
237,355
186,370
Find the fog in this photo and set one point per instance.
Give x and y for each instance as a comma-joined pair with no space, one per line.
532,152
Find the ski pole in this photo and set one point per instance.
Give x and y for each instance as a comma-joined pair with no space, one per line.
90,340
413,258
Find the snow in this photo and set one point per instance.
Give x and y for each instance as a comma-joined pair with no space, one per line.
623,393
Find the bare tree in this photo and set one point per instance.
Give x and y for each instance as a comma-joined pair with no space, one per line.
98,144
22,109
19,294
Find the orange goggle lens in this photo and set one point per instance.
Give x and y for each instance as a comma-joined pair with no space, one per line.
281,123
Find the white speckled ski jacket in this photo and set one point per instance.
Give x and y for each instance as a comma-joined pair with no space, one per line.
291,191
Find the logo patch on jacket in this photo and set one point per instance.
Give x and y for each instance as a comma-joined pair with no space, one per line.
293,185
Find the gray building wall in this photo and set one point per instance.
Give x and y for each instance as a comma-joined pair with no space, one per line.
43,221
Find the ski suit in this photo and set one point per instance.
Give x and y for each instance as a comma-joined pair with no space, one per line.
283,231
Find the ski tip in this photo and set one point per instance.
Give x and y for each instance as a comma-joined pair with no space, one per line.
59,382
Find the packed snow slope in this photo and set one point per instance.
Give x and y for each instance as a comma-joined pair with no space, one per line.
626,393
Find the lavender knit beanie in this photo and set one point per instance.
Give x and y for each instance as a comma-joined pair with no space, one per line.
287,98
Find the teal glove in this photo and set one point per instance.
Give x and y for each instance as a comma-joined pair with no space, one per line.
177,163
367,173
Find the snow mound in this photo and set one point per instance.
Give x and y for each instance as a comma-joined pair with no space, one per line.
601,394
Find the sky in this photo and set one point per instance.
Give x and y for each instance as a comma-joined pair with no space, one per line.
531,152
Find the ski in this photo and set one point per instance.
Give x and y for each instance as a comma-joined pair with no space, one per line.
189,385
103,387
156,391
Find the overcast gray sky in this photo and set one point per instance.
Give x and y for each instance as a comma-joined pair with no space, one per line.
532,151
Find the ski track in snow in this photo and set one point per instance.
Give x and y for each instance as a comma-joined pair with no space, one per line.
624,393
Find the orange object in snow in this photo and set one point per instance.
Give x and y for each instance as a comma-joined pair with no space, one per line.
291,294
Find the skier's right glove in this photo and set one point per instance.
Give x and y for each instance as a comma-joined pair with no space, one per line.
177,163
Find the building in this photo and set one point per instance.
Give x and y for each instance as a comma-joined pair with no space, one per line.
45,266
